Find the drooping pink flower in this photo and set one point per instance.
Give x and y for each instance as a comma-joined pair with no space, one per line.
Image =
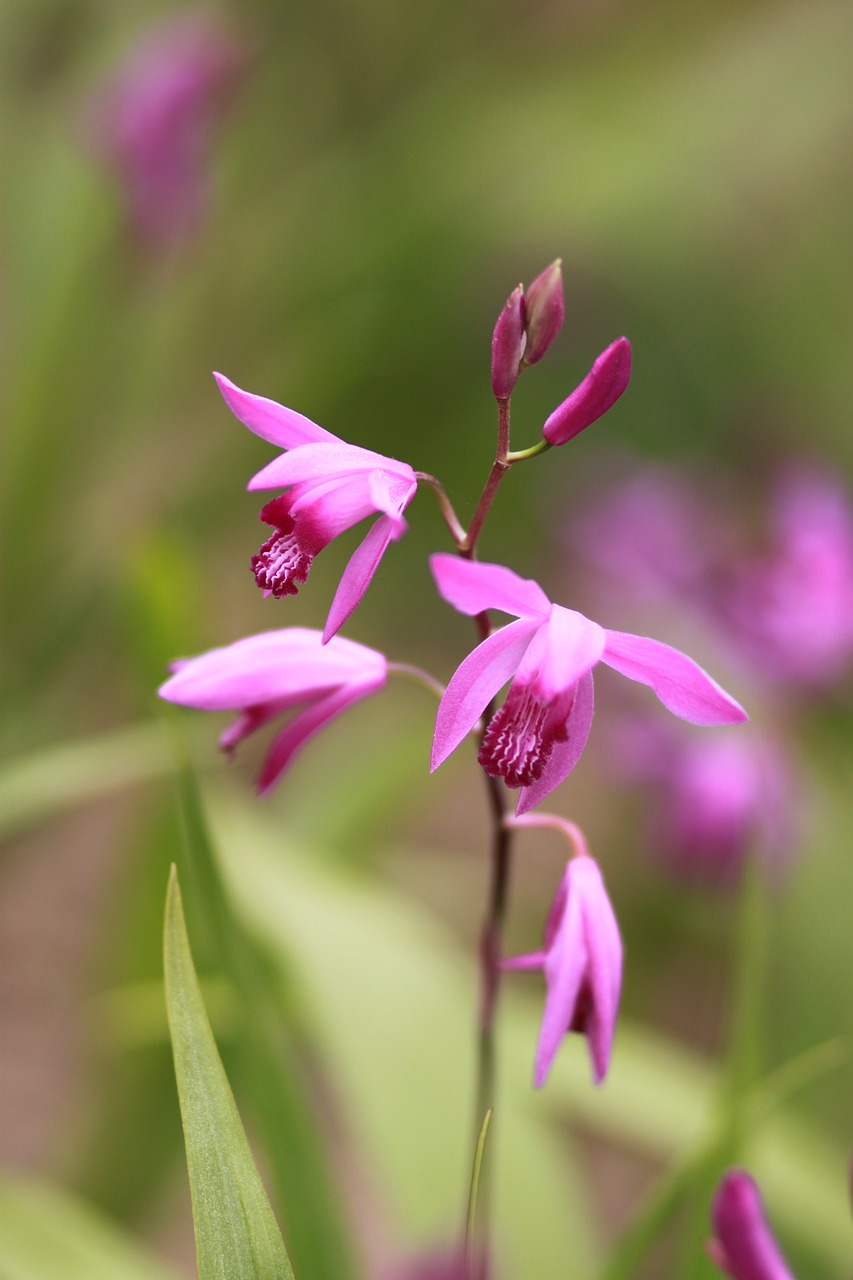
744,1246
599,391
331,486
536,738
156,120
582,963
265,675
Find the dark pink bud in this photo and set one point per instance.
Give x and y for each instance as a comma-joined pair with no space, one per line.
598,392
508,344
545,311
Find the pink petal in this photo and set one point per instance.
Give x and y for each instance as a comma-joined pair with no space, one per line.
288,664
309,462
473,685
746,1247
564,755
357,575
564,969
283,427
302,728
472,587
565,647
604,951
680,683
599,391
533,960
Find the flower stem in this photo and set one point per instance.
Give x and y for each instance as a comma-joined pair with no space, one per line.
500,467
451,519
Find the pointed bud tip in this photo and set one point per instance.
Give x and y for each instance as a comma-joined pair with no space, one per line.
546,311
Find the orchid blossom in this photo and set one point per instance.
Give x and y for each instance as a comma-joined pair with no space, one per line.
744,1246
331,486
536,738
582,962
263,676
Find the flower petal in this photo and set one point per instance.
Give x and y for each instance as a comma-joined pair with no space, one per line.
472,587
746,1247
564,755
302,728
604,952
268,667
564,648
269,420
475,682
680,683
358,574
323,461
564,969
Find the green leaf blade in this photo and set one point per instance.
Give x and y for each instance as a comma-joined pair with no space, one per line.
237,1236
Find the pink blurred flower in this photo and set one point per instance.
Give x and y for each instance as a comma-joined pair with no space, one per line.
536,738
156,120
790,608
582,963
715,798
263,676
744,1246
331,486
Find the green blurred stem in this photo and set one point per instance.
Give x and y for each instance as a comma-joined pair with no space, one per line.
471,1251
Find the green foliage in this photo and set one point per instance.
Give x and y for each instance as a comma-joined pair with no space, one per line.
237,1237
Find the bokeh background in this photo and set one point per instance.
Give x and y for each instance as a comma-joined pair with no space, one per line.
347,197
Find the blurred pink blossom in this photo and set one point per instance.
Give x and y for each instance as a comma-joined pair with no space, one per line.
743,1244
155,122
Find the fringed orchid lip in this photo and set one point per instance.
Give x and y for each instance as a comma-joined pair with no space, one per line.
537,737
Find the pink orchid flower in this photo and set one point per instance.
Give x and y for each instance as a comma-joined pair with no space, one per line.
264,675
536,738
331,486
582,962
744,1246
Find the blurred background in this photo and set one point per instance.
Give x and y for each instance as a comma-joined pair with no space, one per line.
330,202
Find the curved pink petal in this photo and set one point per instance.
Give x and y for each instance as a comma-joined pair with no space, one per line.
357,575
565,963
680,683
564,755
604,962
269,420
330,507
322,461
472,587
564,648
475,682
391,493
274,665
745,1244
302,728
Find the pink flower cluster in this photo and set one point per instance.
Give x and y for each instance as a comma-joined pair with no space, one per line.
546,655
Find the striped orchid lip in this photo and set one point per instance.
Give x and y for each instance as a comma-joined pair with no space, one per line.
537,737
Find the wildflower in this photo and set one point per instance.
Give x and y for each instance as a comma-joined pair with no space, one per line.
155,122
582,963
599,391
508,345
536,738
744,1246
331,486
264,675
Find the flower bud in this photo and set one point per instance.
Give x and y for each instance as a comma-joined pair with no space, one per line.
598,392
545,311
508,344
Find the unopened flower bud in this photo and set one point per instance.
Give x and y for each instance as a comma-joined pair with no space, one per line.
598,392
545,311
508,344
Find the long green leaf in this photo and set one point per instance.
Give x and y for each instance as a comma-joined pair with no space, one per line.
237,1237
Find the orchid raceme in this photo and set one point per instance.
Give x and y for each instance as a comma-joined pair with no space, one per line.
331,486
743,1244
582,963
263,676
536,738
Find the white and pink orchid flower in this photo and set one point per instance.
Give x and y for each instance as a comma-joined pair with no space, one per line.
331,486
536,738
265,675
